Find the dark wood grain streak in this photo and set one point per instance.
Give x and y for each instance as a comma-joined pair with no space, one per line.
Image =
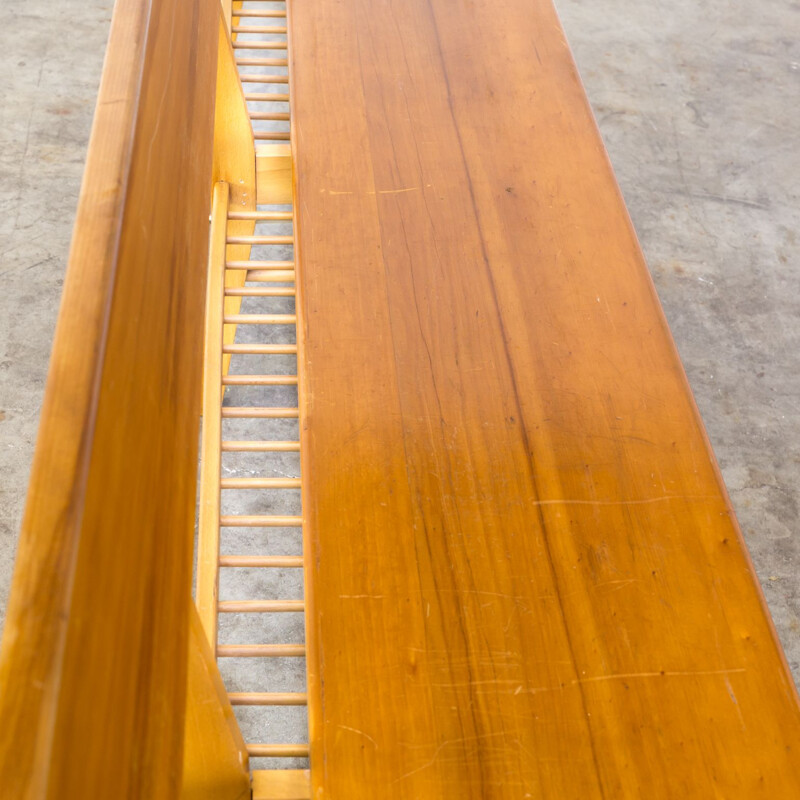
93,665
524,575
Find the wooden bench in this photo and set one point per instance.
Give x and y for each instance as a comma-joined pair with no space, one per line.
523,574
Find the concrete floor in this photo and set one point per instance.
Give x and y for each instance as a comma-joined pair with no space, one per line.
698,105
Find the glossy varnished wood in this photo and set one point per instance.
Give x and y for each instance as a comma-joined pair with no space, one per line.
524,576
93,664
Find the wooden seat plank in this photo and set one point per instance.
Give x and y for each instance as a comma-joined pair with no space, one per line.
524,575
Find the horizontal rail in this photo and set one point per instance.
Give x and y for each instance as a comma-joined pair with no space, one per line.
256,61
262,216
259,483
265,276
262,97
270,116
261,651
263,562
261,239
277,750
260,319
259,380
259,264
249,12
278,136
240,44
260,447
258,29
260,521
256,412
260,606
260,291
260,349
268,698
253,78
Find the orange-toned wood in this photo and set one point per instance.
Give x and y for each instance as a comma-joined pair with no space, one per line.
207,588
234,163
93,663
524,576
281,784
215,759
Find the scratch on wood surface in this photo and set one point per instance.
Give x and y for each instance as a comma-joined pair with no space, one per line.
360,733
661,674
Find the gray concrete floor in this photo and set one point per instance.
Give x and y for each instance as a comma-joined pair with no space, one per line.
698,105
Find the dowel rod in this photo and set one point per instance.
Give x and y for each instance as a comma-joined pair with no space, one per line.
250,264
258,45
259,483
260,606
260,349
260,447
277,750
259,380
276,562
260,319
255,412
261,651
261,240
260,521
268,698
267,216
260,291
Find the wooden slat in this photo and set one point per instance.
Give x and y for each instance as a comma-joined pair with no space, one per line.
248,12
261,561
255,412
261,319
260,521
281,784
268,698
262,349
524,574
94,657
263,216
210,456
256,78
256,61
264,97
259,483
284,265
259,380
277,136
259,447
260,291
259,29
251,240
262,651
278,750
260,606
248,44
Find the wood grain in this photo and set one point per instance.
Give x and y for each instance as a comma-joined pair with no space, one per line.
208,539
524,575
234,163
215,759
93,663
